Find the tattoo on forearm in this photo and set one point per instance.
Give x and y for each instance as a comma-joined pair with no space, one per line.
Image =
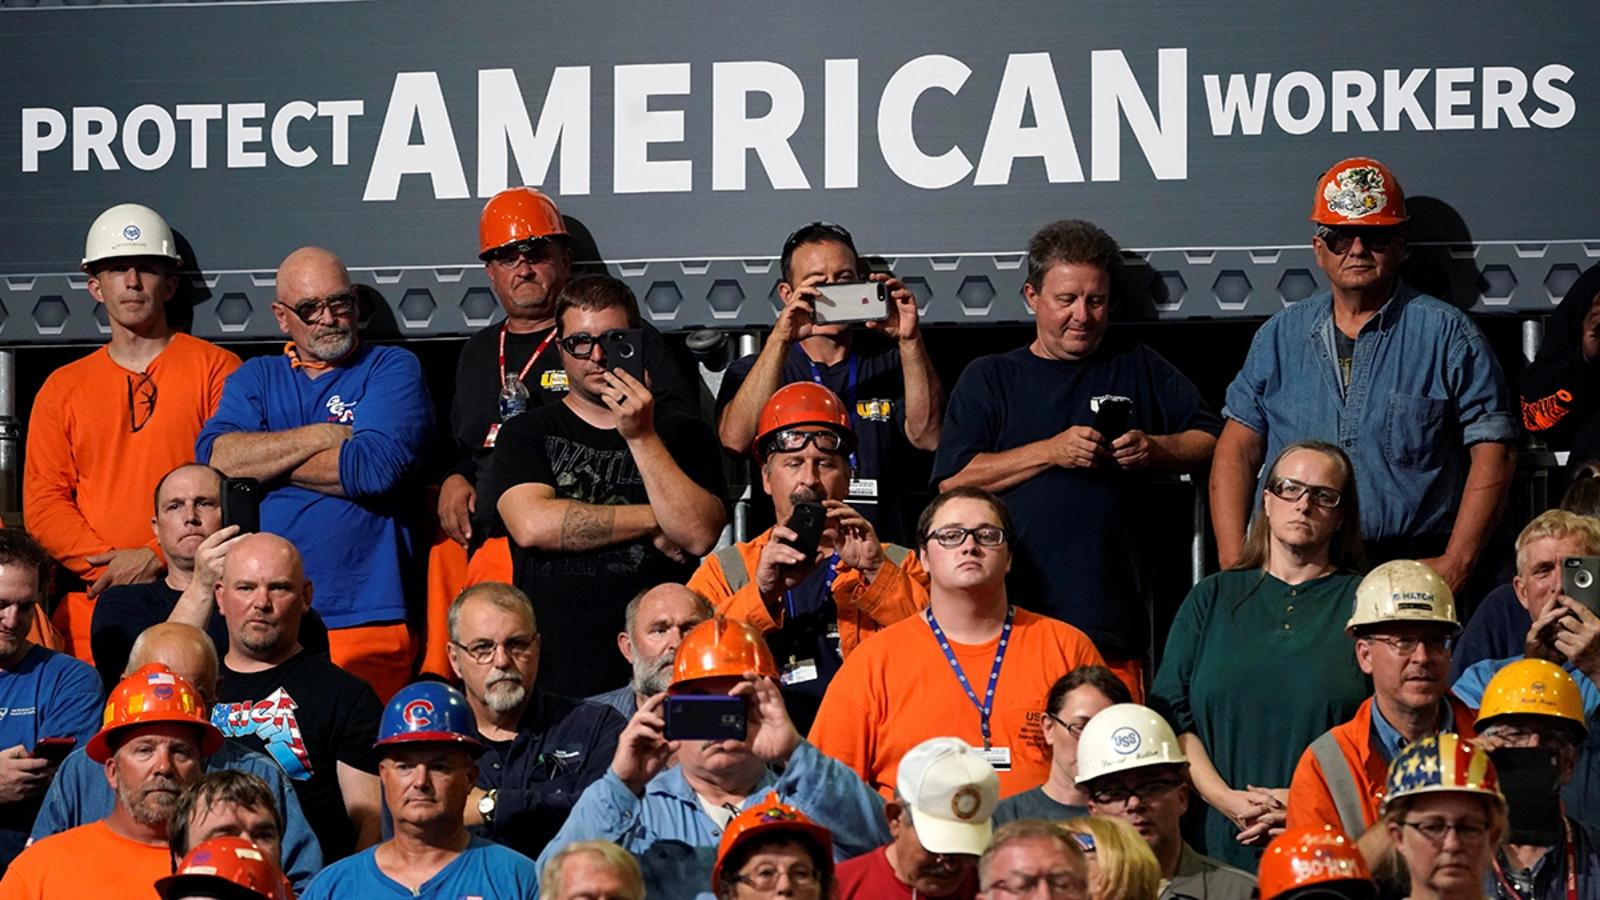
587,527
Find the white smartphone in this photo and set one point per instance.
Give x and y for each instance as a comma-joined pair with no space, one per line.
856,301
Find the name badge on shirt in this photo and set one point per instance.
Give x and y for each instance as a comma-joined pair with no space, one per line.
494,431
864,489
799,672
999,757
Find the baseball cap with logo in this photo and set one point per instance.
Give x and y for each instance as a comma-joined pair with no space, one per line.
951,792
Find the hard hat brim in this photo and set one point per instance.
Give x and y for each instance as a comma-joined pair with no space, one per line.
471,745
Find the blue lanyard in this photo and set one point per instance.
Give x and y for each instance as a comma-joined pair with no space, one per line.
849,391
986,705
827,584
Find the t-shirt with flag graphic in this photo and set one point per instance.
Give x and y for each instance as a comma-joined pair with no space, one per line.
308,715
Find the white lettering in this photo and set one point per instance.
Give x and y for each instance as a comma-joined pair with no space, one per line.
1358,103
1113,87
97,141
1509,101
166,137
341,111
841,126
503,118
240,134
1544,87
636,127
1316,102
34,141
1029,76
197,115
896,133
1251,109
1447,97
1402,98
281,148
416,97
734,133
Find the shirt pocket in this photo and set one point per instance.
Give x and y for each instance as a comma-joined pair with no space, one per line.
1413,436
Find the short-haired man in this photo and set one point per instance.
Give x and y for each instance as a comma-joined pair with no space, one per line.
1403,622
1031,852
317,720
188,527
542,749
105,428
653,626
887,380
1404,383
814,611
672,817
338,433
940,818
1149,789
43,694
151,747
1073,700
592,870
603,494
429,767
80,793
226,803
1024,425
972,665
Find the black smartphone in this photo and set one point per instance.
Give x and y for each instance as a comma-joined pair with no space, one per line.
1530,778
1580,580
807,521
54,749
705,717
1111,417
241,504
624,349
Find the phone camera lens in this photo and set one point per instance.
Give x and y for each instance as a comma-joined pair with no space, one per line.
1582,578
625,351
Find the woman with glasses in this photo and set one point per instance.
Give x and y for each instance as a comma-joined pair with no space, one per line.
1072,702
774,850
1445,817
1257,664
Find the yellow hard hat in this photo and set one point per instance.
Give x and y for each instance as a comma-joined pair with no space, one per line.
1403,590
1533,687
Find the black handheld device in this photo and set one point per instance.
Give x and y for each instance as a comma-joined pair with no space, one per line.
241,504
705,717
624,348
1530,778
54,749
1111,418
1580,580
807,521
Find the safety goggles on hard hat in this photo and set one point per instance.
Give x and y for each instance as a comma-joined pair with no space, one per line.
1376,238
793,440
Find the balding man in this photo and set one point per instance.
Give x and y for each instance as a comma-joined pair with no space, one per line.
81,794
592,870
337,432
316,720
653,625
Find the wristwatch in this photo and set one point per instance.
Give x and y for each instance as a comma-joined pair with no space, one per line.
486,806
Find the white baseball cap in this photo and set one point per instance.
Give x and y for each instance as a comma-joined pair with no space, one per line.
951,792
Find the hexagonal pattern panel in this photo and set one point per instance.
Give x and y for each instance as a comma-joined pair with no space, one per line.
416,308
1559,280
478,306
102,319
1497,284
1232,289
233,312
774,298
1167,290
976,294
663,299
918,286
1296,285
4,314
725,298
50,314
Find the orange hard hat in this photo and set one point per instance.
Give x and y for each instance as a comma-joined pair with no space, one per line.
226,867
721,647
766,816
1359,191
152,694
803,403
516,215
1315,856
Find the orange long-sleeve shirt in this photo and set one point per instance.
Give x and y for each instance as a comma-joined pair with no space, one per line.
89,479
898,591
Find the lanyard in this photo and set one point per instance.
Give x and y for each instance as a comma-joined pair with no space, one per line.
523,375
986,705
849,391
827,584
1572,869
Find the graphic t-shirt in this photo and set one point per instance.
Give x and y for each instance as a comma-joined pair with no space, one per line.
309,715
579,598
48,694
1346,345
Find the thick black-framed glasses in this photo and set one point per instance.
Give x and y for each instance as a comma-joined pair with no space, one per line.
1377,238
581,345
953,536
1290,490
310,312
141,400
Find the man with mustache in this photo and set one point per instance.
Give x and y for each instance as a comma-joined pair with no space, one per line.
151,747
654,625
315,719
542,749
337,432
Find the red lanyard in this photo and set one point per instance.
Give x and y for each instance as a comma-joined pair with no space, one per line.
523,375
1572,869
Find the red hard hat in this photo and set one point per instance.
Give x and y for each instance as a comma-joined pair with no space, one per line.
1314,856
153,694
804,403
515,215
227,867
721,648
1359,191
769,815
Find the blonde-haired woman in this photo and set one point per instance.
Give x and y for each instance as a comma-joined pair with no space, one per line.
1121,864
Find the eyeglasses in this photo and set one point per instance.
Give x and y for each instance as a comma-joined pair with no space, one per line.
817,231
953,536
765,878
310,311
1405,646
1290,490
1059,884
1376,238
1073,728
141,400
1436,829
482,652
531,252
793,440
1554,737
1148,792
581,345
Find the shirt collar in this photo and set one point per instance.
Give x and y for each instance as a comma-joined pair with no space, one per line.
1390,740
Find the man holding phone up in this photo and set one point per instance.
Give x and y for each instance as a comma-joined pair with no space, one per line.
888,385
1027,425
601,496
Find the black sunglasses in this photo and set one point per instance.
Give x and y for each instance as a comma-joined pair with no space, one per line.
1376,238
310,311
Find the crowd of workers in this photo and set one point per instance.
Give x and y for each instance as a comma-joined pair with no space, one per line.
306,671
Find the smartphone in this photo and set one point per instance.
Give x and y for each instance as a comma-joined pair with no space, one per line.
624,348
241,504
54,749
1111,417
807,521
705,717
1530,778
1580,580
855,301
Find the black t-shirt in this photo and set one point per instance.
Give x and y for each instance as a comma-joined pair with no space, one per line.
125,611
1076,551
308,715
1346,345
878,415
579,597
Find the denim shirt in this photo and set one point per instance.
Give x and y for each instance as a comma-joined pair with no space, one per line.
1424,386
675,842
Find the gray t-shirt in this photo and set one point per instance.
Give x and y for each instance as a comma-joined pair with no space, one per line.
1035,804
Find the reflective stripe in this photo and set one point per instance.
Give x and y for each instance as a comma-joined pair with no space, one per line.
1341,783
897,554
733,568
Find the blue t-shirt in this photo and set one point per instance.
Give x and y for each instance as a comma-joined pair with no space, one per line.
49,694
483,870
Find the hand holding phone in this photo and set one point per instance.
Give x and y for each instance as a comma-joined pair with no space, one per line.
705,717
624,350
54,749
856,301
1111,417
807,522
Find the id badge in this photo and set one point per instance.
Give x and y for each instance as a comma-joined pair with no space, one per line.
799,672
999,757
864,489
494,432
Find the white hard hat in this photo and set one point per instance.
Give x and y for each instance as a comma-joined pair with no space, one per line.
129,229
951,792
1126,736
1403,590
